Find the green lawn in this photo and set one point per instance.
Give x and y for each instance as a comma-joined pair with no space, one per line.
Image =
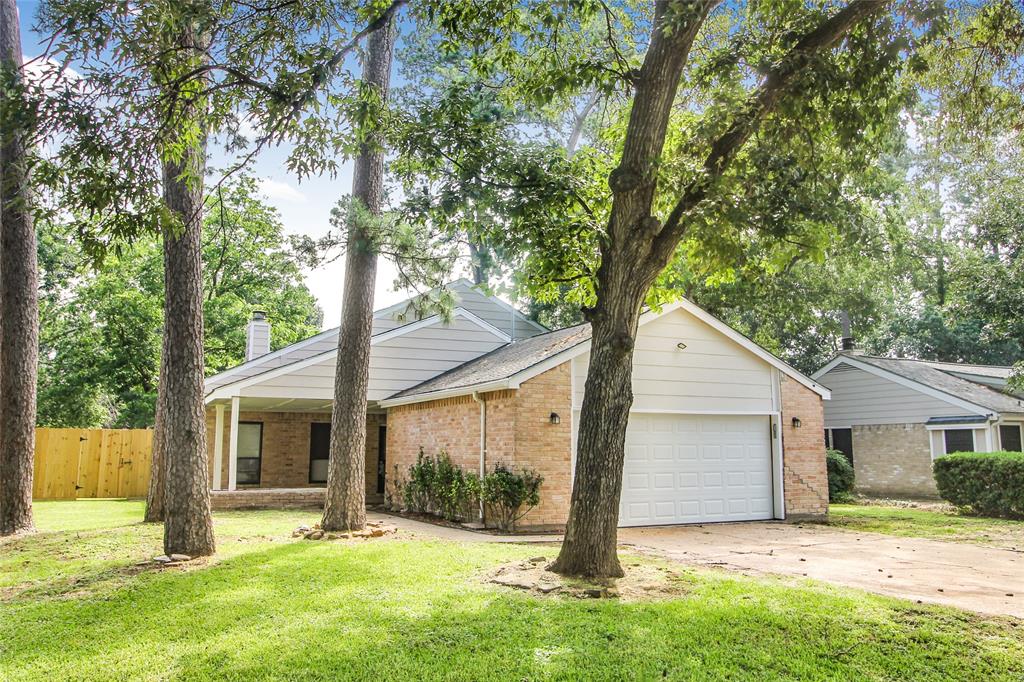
74,606
922,523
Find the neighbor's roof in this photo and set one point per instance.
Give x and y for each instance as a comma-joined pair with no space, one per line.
940,377
501,363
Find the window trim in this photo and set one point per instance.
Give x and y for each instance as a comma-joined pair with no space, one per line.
258,458
974,439
1020,430
312,427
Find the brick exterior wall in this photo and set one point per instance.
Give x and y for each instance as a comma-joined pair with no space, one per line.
519,434
285,454
893,460
805,478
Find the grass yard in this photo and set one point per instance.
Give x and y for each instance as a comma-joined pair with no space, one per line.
73,605
926,523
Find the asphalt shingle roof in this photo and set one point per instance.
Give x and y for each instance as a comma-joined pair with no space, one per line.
938,376
502,362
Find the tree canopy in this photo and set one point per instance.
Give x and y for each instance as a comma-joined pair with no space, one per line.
101,326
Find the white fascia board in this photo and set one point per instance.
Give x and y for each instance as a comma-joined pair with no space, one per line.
909,383
483,387
230,390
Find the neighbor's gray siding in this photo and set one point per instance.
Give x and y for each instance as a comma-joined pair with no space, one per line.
860,397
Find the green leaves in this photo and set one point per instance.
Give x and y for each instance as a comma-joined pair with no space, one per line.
100,328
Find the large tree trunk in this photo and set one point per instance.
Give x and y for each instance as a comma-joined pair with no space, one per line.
623,279
188,526
639,246
158,465
345,507
19,308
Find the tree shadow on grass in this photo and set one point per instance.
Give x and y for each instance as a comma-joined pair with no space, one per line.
417,610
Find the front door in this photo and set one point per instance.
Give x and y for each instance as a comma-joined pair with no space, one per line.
382,458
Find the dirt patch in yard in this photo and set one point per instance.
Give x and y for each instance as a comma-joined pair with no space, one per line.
644,581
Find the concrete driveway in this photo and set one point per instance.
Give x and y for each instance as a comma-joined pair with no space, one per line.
966,576
955,574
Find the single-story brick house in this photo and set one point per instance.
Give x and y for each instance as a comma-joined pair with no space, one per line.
720,430
893,416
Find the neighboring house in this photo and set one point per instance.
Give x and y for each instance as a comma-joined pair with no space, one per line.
720,429
892,417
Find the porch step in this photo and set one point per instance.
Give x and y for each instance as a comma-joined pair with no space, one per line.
267,498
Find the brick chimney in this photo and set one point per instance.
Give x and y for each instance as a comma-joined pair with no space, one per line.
257,337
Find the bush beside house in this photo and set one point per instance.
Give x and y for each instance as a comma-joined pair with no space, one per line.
840,476
989,483
436,486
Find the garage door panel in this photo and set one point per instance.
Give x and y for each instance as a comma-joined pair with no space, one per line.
696,468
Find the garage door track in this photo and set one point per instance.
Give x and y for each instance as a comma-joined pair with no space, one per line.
982,579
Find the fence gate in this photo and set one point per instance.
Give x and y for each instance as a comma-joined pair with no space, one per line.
75,463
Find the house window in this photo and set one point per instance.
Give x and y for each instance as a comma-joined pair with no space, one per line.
1009,437
959,440
319,452
250,452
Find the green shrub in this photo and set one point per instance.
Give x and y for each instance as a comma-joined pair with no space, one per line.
989,483
416,495
435,485
840,476
509,496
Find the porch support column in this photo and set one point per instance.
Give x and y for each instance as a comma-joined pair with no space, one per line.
233,445
218,448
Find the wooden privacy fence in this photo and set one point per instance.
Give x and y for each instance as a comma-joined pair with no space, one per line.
74,463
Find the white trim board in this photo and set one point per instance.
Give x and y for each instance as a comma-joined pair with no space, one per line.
222,392
903,381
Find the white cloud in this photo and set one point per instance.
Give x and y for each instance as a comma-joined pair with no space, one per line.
49,73
282,191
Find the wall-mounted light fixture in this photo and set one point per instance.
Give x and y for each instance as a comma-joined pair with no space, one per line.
681,346
796,422
554,418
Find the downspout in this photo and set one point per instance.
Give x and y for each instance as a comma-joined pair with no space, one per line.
483,444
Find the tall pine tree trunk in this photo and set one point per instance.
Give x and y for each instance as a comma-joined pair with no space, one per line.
19,306
345,507
188,526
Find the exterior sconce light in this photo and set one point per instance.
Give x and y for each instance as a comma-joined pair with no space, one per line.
681,346
554,418
796,422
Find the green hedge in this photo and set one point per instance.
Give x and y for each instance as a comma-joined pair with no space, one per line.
990,483
840,476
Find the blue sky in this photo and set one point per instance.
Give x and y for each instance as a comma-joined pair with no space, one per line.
304,206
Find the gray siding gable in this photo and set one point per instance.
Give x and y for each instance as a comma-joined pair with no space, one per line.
861,398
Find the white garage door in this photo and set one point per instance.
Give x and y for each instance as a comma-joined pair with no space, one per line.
696,468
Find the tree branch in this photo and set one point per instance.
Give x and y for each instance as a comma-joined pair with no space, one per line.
759,105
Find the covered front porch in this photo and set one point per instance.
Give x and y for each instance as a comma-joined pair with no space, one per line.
273,452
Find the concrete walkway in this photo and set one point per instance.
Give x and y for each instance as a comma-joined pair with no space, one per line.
966,576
